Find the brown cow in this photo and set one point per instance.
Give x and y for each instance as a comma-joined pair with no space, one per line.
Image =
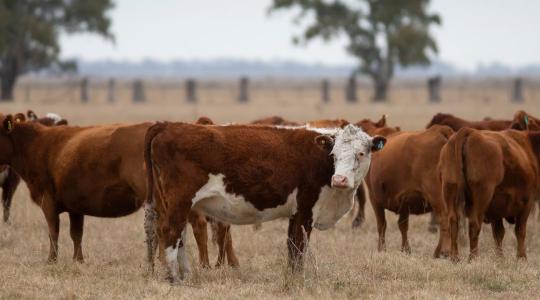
251,174
275,120
9,180
491,176
524,121
457,123
403,179
95,170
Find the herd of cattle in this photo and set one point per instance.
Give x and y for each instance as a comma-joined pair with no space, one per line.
311,173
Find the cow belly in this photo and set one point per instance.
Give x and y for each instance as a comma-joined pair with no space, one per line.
214,201
115,201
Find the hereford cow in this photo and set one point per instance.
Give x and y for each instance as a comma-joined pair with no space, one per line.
251,174
367,125
95,171
491,176
9,180
403,179
457,123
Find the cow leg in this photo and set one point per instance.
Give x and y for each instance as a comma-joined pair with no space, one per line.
520,231
481,197
8,190
450,198
198,223
172,238
381,226
497,228
76,222
224,241
298,237
433,223
53,222
361,200
403,224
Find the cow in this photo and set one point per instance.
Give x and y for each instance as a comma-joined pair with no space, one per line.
403,179
367,125
244,174
95,170
9,179
457,123
524,121
490,176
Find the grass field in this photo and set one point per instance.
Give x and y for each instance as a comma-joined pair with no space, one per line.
342,263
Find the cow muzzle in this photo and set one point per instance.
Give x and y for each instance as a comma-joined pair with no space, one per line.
340,182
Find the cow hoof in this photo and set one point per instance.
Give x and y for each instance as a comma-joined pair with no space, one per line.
357,223
51,260
406,250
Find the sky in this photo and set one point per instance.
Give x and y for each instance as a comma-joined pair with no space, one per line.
473,32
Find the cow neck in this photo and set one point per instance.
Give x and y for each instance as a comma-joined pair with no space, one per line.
25,139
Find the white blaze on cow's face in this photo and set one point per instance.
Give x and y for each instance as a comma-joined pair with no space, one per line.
352,156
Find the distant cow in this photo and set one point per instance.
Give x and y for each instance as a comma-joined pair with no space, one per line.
251,174
403,179
491,176
275,120
457,123
524,121
95,170
9,179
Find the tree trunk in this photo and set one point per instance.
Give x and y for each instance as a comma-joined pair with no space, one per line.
8,77
381,89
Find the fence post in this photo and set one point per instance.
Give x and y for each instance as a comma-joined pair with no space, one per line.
517,91
434,89
191,90
138,91
350,90
325,89
111,93
243,95
84,90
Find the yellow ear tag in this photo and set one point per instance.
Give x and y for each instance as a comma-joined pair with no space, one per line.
10,126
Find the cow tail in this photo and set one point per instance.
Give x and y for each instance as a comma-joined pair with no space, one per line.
463,190
150,213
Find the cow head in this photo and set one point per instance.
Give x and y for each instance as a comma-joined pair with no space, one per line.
524,121
351,149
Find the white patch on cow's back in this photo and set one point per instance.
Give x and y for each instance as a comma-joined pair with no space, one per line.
54,116
214,201
331,206
3,176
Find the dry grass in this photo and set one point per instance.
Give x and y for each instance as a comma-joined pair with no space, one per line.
343,264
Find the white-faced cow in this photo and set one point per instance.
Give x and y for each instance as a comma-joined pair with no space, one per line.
251,174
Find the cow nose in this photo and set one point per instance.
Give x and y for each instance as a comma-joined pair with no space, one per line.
339,181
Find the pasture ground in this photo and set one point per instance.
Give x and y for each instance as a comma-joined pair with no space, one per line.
342,263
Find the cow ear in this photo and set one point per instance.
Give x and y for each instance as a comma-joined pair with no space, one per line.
377,143
381,122
31,115
19,117
324,142
8,124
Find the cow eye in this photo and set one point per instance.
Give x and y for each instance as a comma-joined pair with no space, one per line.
361,154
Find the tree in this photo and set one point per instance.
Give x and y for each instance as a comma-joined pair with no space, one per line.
29,31
380,33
